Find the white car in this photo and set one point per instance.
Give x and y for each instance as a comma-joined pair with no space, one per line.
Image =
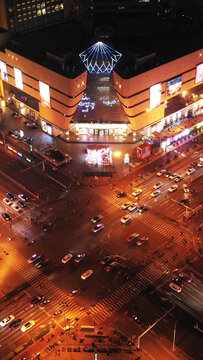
157,186
201,158
7,320
126,219
173,176
7,201
155,193
86,274
66,258
126,205
173,188
97,228
190,171
200,164
34,258
23,197
27,325
161,172
137,192
16,207
185,188
133,207
175,287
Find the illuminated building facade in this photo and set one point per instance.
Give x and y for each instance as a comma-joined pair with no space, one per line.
87,91
144,97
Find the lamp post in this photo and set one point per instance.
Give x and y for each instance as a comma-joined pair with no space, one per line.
174,335
150,327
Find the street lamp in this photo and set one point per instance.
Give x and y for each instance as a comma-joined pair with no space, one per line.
174,335
150,327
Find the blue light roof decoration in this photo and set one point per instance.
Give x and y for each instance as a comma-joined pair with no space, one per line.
100,58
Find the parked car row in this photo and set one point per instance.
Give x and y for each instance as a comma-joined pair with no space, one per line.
15,134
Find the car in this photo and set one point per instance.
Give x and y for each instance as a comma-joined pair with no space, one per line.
96,219
173,188
97,228
45,302
30,124
137,192
200,164
175,287
194,164
142,209
107,260
157,185
190,171
173,176
142,241
6,216
10,196
16,207
126,219
79,257
21,204
178,281
15,134
7,320
34,258
66,258
134,317
126,205
185,277
155,193
184,201
161,172
201,158
16,115
27,325
86,274
7,201
121,194
133,238
185,188
178,178
36,300
75,292
113,266
41,262
167,174
133,207
23,197
14,324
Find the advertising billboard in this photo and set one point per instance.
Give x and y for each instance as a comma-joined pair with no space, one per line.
18,78
199,73
173,86
155,96
44,93
4,74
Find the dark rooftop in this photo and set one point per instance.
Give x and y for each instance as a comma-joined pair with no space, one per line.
145,42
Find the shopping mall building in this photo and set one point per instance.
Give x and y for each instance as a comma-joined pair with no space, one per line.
90,92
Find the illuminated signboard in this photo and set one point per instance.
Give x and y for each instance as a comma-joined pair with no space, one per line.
4,74
173,86
44,93
155,96
199,73
18,78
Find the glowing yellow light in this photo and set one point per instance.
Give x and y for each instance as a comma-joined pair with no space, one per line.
184,93
117,153
147,110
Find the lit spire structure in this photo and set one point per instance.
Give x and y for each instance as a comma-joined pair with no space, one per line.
100,58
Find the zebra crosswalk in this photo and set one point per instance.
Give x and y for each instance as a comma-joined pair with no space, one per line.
149,274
